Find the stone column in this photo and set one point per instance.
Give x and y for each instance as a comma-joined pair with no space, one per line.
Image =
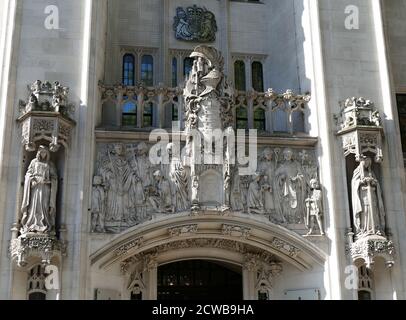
248,281
140,108
152,283
250,108
248,73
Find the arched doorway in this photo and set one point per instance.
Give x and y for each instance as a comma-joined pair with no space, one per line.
199,280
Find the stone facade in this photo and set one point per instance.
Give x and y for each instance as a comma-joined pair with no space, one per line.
80,191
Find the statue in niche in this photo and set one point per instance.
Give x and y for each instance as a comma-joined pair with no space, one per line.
160,195
124,188
290,189
367,204
142,164
179,178
254,197
98,205
314,208
39,199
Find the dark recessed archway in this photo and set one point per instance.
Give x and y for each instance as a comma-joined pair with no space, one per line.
199,280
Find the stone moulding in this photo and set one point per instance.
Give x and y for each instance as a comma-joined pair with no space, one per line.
267,238
236,231
182,230
133,244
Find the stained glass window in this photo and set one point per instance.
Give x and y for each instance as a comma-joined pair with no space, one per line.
257,76
147,70
174,72
148,115
239,75
259,119
129,114
187,66
128,70
241,118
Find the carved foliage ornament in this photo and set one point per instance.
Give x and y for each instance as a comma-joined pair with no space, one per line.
195,24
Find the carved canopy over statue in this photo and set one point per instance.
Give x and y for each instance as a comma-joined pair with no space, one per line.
39,199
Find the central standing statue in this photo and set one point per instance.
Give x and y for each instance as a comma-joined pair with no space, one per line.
209,101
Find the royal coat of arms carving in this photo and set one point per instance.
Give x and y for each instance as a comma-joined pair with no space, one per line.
195,24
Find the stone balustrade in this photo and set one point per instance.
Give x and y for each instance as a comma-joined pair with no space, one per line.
280,112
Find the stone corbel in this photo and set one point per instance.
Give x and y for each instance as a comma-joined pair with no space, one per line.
40,246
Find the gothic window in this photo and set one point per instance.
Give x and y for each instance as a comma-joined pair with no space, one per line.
36,283
239,75
187,66
129,114
241,118
128,70
257,76
259,119
175,116
148,115
174,72
401,102
147,70
364,283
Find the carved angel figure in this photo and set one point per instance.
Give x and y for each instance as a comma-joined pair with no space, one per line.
39,199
